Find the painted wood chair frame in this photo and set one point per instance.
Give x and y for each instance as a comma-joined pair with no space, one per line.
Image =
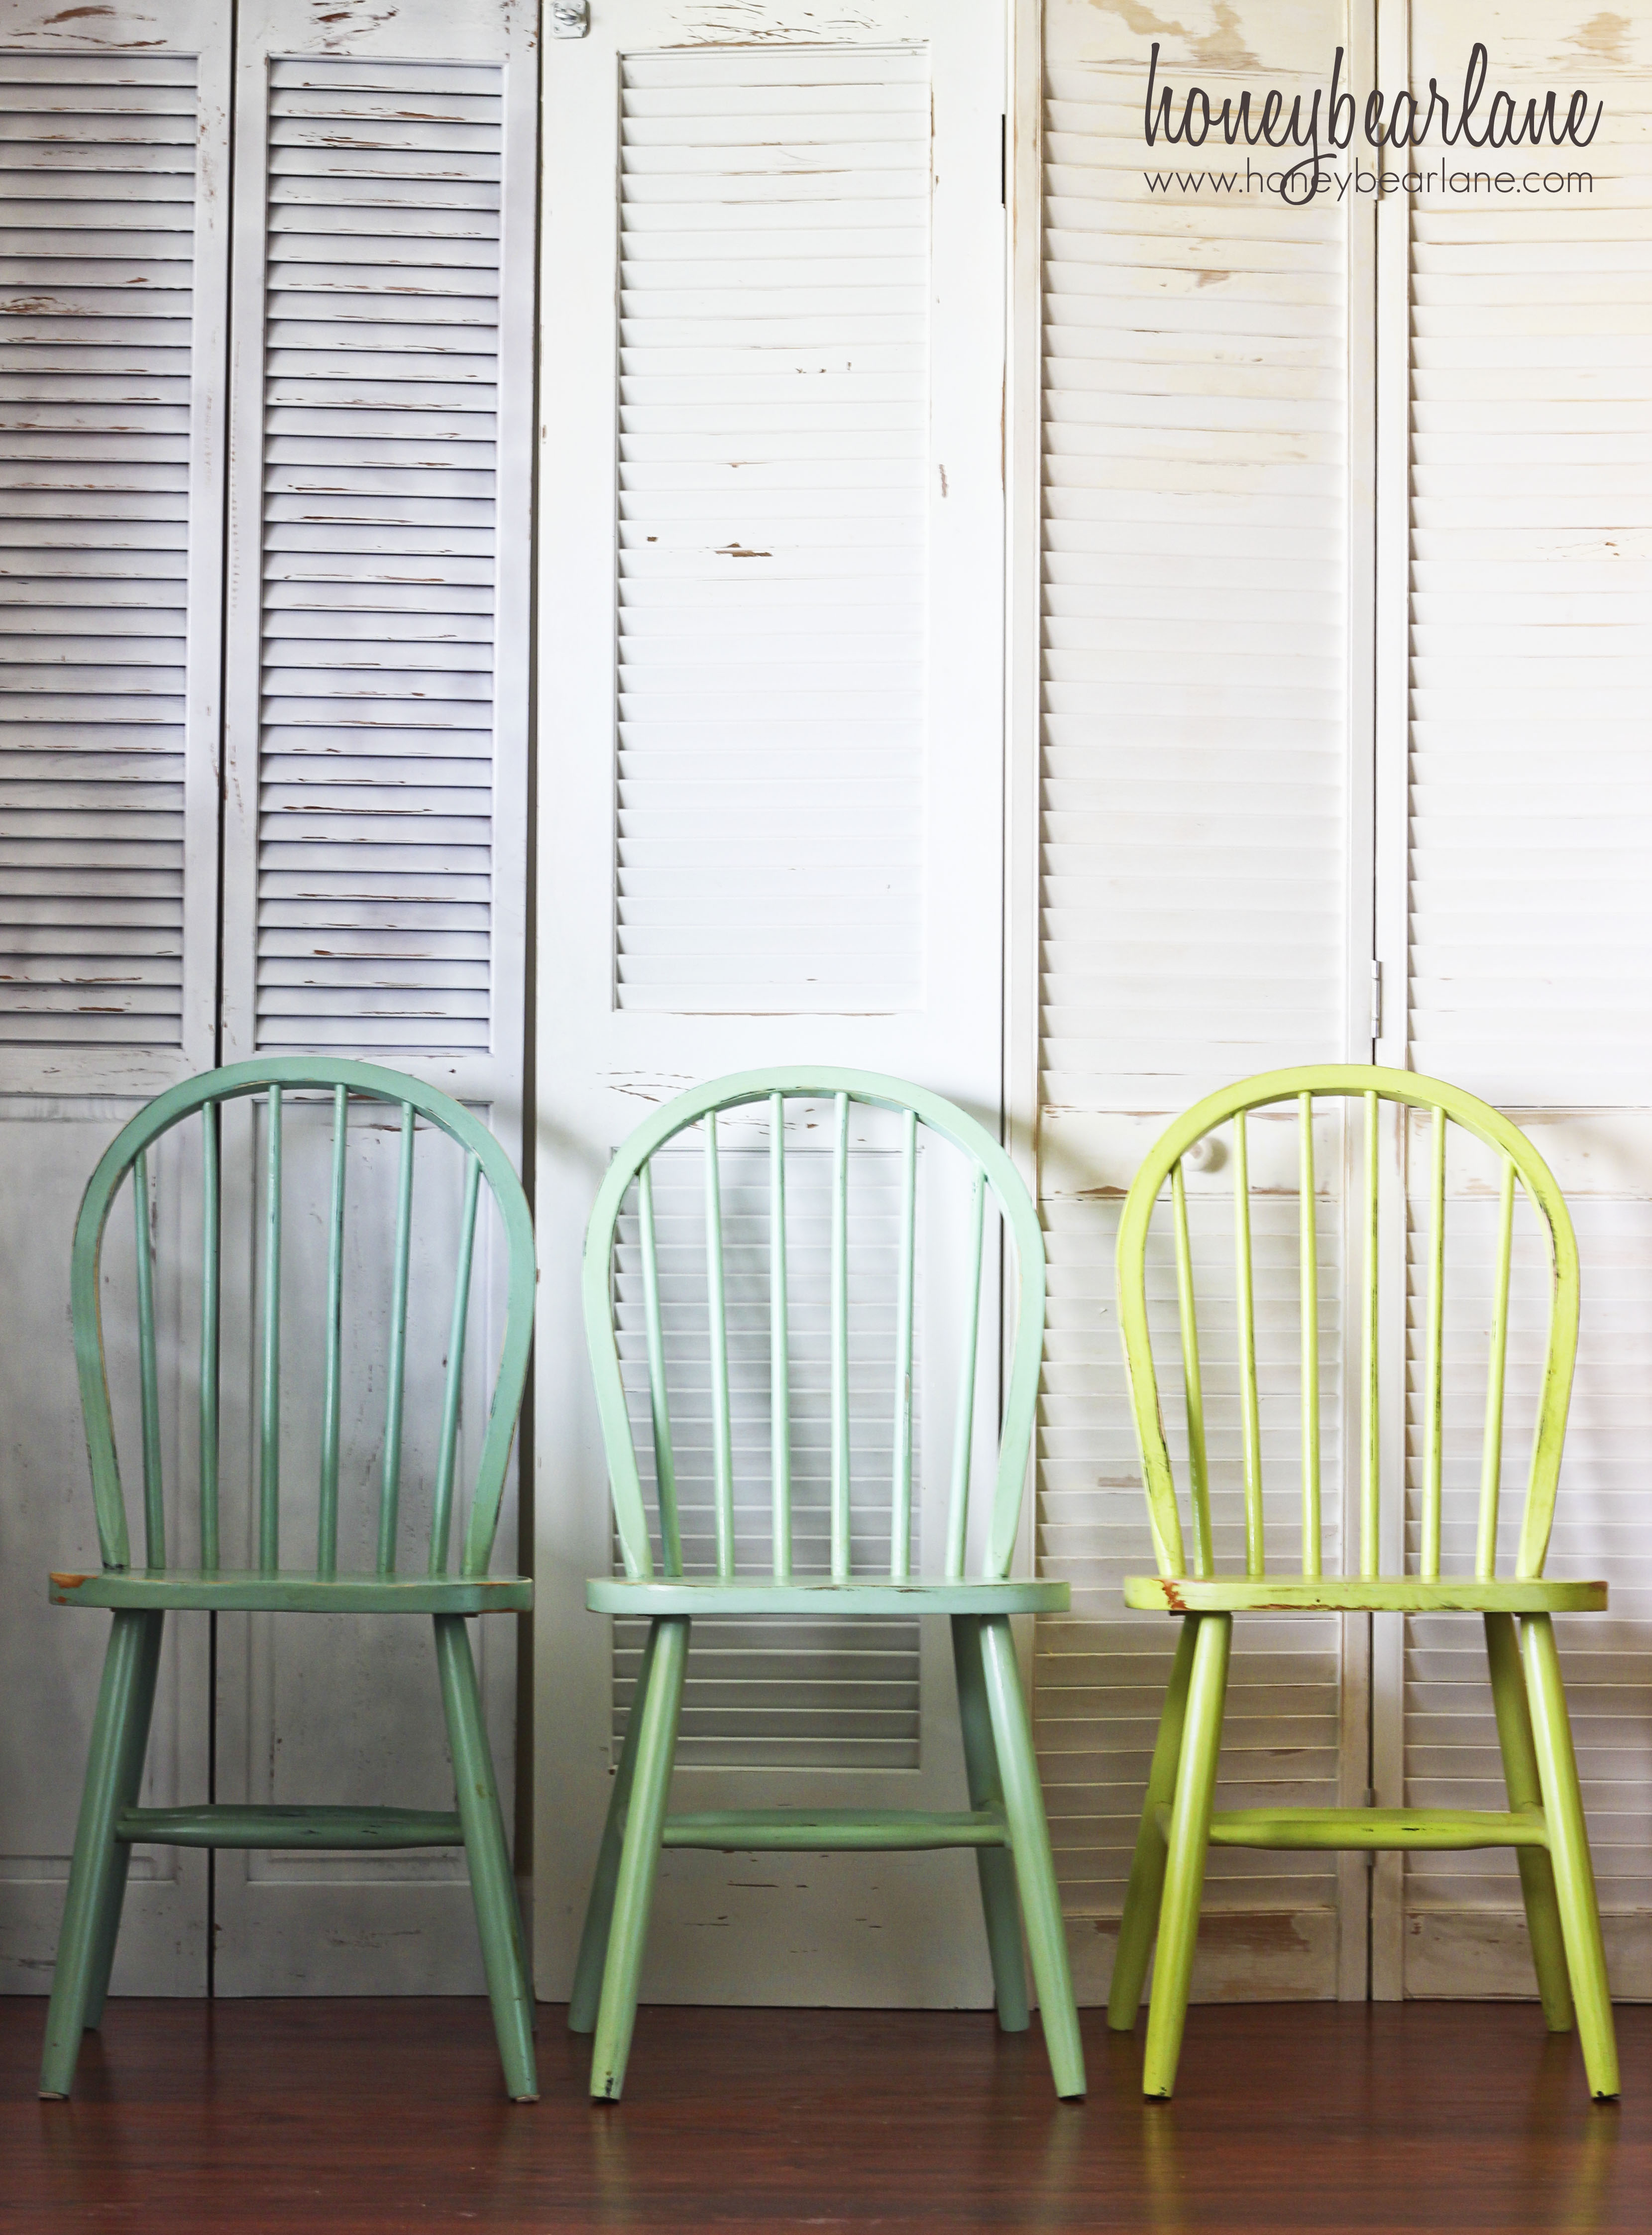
110,1821
1543,1822
1004,1824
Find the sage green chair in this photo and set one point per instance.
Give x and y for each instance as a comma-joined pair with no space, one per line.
1543,1822
110,1821
1004,1824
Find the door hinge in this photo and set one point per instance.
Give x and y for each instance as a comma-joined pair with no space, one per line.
1376,1001
570,19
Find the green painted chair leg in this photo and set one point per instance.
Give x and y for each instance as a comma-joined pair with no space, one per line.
136,1746
598,1910
1525,1791
1190,1838
1563,1803
1046,1936
97,1875
1141,1895
995,1865
657,1712
498,1920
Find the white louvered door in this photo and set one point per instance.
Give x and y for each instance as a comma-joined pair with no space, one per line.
1205,902
114,146
375,842
1517,824
771,774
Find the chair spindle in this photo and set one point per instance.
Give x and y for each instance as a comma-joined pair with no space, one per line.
1492,1449
1370,1449
900,1483
442,1517
154,1508
212,1220
1204,1558
1312,1549
1434,1339
840,1483
963,1434
779,1345
670,1533
270,1391
390,1493
722,1439
1251,1415
332,1375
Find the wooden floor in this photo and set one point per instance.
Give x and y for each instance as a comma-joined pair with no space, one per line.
356,2115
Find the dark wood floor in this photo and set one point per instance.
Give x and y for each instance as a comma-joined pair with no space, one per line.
353,2115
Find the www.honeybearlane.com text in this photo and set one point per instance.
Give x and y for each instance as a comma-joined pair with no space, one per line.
1325,123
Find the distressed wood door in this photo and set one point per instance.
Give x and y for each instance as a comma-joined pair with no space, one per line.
771,824
1515,820
1199,741
375,846
114,210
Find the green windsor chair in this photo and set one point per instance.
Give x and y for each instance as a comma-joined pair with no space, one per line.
1005,1823
1543,1822
110,1822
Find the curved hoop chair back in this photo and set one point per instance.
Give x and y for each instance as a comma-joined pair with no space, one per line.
203,1099
1520,1171
631,1176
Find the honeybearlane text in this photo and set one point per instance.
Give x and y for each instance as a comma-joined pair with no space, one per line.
1326,122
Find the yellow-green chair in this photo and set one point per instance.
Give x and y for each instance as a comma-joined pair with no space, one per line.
1543,1822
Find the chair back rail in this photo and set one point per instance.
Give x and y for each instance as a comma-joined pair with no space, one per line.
1521,1167
990,1172
127,1156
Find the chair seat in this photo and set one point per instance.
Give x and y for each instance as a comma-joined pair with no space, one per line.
1361,1595
288,1591
818,1595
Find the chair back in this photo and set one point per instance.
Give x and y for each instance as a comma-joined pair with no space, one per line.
276,1079
1518,1165
764,1336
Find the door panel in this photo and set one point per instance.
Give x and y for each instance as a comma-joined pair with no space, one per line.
375,846
113,233
771,779
1205,902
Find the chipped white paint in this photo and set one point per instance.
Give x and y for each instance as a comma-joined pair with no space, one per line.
814,636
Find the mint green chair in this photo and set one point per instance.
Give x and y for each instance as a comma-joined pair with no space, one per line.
1004,1824
1544,1823
110,1821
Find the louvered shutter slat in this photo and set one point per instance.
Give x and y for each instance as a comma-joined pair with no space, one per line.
101,428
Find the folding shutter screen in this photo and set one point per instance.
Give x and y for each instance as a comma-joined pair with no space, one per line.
1527,824
114,232
1195,813
376,832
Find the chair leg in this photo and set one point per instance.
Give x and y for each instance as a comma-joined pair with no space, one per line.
493,1887
1190,1838
1140,1920
995,1865
1046,1936
599,1908
656,1712
97,1875
1562,1805
1525,1791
